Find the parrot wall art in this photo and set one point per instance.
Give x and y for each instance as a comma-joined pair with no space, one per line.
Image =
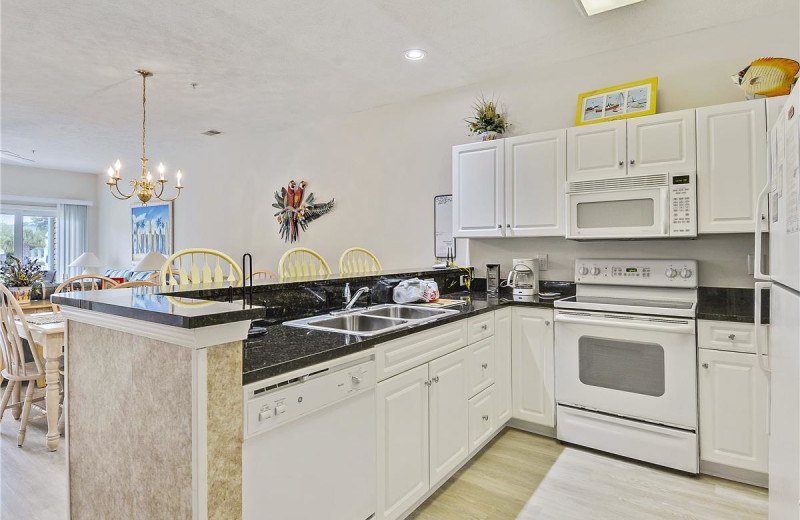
296,209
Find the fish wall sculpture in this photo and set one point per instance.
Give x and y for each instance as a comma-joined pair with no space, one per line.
767,77
296,209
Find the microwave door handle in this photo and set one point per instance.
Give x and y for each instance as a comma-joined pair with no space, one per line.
763,356
758,269
665,212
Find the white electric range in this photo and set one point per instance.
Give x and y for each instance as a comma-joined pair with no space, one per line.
626,360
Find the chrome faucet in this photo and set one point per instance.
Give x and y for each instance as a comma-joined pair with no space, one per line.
346,294
357,295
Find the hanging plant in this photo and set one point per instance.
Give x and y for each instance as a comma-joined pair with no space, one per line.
488,121
296,210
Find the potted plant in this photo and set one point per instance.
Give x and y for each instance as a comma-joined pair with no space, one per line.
20,276
488,121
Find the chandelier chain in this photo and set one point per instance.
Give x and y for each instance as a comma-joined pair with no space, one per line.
144,112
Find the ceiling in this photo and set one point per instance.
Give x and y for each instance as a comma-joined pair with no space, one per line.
70,91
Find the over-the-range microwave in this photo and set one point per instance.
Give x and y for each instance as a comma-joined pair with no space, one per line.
660,205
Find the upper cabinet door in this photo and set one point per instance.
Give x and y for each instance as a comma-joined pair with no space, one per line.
535,174
662,143
478,189
731,166
596,151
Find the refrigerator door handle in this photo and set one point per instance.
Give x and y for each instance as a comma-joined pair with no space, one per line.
763,363
758,273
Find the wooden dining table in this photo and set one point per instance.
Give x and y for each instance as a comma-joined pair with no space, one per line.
51,338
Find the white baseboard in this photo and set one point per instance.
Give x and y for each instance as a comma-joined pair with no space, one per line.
745,476
538,429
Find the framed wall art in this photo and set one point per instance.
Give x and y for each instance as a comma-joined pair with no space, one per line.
637,98
151,229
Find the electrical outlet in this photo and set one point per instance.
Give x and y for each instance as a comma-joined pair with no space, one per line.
462,280
543,261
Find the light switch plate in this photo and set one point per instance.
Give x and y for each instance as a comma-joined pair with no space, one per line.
543,262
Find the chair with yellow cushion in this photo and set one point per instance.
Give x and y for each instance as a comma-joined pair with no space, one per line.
136,283
358,260
301,262
200,266
84,282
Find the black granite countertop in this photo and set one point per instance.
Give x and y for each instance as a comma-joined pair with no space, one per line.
201,305
284,348
730,304
148,304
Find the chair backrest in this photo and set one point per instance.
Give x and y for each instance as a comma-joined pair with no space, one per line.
136,283
300,262
84,282
200,266
11,344
358,260
262,274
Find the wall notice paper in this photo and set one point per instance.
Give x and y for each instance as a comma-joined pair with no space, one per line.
791,167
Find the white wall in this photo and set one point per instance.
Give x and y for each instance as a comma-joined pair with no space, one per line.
29,184
384,165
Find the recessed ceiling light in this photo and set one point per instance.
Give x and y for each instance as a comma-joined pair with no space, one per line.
414,54
593,7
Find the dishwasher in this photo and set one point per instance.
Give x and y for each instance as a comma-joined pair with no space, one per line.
310,449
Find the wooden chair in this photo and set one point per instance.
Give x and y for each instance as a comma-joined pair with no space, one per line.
136,283
191,266
84,282
261,275
358,260
17,371
300,262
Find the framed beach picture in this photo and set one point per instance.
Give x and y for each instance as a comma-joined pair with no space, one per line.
151,229
637,98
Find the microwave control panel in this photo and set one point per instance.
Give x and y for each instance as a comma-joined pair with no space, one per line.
682,204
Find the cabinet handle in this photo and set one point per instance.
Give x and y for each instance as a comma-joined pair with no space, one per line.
633,161
547,322
485,366
484,326
705,365
622,163
499,226
428,382
436,379
731,337
485,417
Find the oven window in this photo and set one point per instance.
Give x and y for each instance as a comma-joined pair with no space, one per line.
626,366
616,214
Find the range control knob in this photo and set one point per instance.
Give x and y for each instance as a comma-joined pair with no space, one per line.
595,271
670,272
686,273
583,271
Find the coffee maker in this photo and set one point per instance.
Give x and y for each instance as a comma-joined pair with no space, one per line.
524,277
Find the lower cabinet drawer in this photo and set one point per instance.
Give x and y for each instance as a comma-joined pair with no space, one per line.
399,355
730,336
482,418
480,327
481,365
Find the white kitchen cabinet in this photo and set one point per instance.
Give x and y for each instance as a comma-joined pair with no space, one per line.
502,364
481,365
478,192
596,151
482,418
733,392
731,166
449,413
535,174
774,107
661,143
532,365
403,453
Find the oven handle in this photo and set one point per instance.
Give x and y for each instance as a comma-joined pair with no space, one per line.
627,322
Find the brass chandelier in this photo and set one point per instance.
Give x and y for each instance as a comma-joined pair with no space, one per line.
144,188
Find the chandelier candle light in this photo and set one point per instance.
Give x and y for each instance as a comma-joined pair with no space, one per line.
143,188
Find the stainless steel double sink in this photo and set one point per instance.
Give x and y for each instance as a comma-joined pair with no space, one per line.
373,320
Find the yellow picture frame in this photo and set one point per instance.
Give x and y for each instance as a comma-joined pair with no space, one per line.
632,99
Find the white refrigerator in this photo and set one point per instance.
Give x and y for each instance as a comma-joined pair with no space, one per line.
782,355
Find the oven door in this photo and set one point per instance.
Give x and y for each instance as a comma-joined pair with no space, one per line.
642,367
635,213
